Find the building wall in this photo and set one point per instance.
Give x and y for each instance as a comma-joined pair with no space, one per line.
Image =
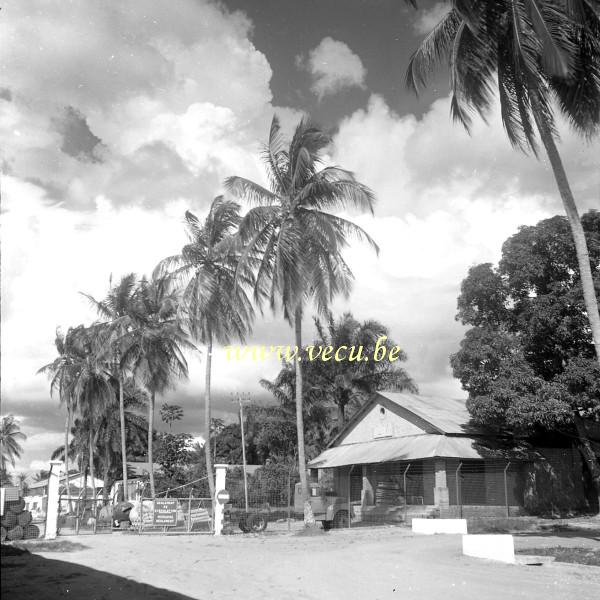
376,424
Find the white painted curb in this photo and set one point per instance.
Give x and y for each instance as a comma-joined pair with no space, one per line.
494,547
431,526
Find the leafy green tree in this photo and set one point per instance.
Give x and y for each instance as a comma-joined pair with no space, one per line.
11,437
293,239
172,451
537,53
528,362
216,307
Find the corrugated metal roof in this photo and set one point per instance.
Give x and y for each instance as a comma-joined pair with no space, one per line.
449,415
75,480
401,448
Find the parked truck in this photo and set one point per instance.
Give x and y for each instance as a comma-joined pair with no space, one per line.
328,507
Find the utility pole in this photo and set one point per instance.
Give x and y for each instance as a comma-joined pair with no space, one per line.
240,400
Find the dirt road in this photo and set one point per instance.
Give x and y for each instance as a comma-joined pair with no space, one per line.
368,564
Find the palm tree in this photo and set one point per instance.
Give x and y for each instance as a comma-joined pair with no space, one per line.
153,347
61,371
107,435
293,239
117,310
350,384
170,413
109,450
536,52
216,307
91,386
10,436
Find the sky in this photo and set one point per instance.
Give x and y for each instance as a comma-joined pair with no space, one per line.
118,117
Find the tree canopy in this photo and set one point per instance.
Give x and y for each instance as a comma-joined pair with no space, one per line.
528,362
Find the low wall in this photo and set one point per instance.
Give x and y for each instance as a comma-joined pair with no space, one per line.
493,547
475,511
432,526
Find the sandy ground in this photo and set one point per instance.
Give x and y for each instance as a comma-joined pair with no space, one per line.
363,564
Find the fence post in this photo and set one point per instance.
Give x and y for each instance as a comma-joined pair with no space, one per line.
506,489
141,513
405,492
53,499
289,512
458,494
221,471
189,527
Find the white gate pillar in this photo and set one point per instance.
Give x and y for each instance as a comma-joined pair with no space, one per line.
221,472
56,466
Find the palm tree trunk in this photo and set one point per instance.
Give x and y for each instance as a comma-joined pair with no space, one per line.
209,467
309,518
583,257
106,471
92,472
81,507
67,427
150,443
123,438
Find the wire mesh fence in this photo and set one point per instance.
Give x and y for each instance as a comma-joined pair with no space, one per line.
261,500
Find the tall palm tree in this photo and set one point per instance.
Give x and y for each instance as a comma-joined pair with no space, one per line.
61,372
538,53
117,311
153,346
10,438
91,387
109,431
293,239
107,435
216,307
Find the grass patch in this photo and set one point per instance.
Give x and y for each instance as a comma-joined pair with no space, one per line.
580,556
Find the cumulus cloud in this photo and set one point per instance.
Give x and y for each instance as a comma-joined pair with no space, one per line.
446,201
87,100
333,66
428,18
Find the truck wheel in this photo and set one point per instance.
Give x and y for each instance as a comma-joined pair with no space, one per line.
341,519
327,525
244,523
257,523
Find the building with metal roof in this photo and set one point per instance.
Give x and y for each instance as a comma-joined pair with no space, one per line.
406,453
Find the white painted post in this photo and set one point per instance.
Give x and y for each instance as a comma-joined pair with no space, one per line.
221,471
56,466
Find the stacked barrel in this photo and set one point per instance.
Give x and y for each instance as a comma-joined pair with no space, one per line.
16,522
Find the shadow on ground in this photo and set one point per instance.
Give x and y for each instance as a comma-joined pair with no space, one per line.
26,576
52,546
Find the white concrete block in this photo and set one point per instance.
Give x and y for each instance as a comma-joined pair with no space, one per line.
493,546
431,526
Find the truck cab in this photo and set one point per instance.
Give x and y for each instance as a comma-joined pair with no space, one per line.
329,508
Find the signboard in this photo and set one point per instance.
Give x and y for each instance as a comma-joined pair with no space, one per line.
165,512
223,497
